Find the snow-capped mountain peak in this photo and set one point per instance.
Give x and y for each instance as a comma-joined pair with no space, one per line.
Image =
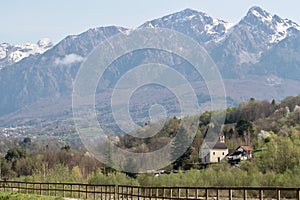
195,24
272,25
260,13
45,42
10,54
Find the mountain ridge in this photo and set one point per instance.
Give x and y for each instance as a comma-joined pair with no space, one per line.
10,54
240,52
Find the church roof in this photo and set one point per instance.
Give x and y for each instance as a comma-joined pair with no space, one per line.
217,145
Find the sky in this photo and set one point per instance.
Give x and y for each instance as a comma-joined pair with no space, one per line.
28,21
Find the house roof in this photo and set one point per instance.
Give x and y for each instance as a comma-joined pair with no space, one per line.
236,153
246,148
231,151
220,145
216,145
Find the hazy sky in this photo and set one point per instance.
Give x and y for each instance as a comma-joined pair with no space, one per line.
28,21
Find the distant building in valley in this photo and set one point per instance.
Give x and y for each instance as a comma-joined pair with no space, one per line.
213,152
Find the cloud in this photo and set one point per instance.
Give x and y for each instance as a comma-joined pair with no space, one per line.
69,59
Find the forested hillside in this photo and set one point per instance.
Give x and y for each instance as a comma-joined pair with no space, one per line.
271,128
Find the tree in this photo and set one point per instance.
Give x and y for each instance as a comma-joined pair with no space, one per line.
27,140
180,143
24,166
109,167
244,129
279,155
15,154
130,167
66,147
76,174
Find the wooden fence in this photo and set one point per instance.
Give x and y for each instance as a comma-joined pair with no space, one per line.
107,192
71,190
216,193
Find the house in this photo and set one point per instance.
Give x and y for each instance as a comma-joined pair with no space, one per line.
246,152
213,152
241,153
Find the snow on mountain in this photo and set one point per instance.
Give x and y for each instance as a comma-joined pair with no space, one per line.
247,41
260,53
197,25
10,54
3,48
276,27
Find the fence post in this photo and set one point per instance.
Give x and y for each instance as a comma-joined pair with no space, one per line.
278,194
230,194
94,189
121,194
127,193
131,192
217,194
105,192
298,194
86,191
78,195
187,193
40,188
261,194
245,194
101,192
206,193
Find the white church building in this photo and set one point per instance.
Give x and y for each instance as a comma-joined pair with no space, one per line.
212,152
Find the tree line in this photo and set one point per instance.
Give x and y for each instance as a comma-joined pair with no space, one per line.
272,128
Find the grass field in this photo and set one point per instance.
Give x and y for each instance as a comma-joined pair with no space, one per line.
17,196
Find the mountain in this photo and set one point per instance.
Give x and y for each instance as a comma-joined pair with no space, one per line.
248,40
197,25
10,54
48,77
283,60
257,57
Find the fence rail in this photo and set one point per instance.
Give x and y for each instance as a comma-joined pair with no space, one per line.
114,192
71,190
216,193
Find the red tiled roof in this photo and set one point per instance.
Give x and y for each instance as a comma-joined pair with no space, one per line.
246,148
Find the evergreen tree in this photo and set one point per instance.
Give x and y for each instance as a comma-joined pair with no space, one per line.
181,143
109,168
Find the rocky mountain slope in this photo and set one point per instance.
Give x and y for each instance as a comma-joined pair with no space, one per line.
257,57
10,54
